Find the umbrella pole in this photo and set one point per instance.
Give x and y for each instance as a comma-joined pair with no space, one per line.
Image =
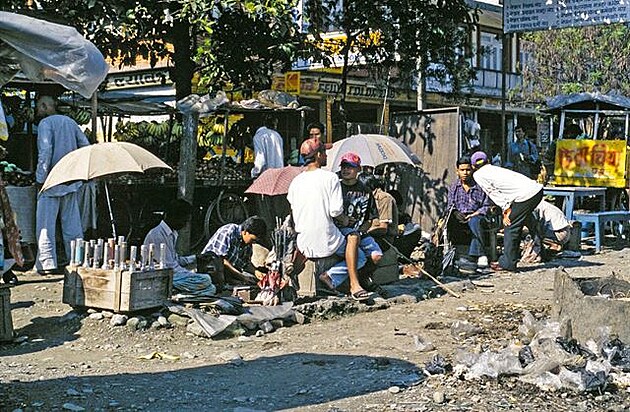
111,212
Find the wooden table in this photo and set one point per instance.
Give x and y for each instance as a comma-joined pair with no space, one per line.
571,193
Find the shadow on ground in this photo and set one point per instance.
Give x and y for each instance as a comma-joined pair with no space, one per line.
267,383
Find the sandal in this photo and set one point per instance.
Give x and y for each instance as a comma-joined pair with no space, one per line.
360,296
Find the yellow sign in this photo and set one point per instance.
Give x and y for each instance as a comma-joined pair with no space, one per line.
591,163
292,82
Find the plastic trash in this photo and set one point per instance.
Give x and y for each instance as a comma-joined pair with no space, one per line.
618,354
438,366
572,346
463,329
525,356
422,345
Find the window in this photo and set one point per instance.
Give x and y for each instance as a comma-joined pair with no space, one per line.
491,51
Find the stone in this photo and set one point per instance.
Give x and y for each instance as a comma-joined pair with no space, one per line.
118,320
132,323
438,397
196,330
163,321
155,325
231,357
178,320
394,389
91,311
188,355
277,323
260,333
298,318
107,315
266,327
72,407
96,316
142,324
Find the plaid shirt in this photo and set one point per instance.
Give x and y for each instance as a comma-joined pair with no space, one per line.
227,243
468,202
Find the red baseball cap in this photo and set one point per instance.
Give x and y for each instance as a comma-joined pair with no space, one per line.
351,159
311,146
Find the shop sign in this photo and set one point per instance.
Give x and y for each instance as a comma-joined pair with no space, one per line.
591,163
312,86
145,78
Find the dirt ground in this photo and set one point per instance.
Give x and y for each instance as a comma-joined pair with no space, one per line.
365,361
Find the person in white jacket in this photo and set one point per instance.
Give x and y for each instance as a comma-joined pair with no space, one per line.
517,195
268,147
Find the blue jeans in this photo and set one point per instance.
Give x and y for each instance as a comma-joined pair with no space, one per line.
368,245
339,273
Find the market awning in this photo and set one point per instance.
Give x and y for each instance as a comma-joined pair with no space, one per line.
119,103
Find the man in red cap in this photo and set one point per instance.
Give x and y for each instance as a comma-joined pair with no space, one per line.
316,199
359,207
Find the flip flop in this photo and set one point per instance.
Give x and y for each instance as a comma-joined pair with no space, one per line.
360,296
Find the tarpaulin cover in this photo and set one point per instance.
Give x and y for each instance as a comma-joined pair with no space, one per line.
49,51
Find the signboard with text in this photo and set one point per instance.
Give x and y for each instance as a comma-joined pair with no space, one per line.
532,15
591,163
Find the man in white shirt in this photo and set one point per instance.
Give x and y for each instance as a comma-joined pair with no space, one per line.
184,280
316,198
268,147
554,225
517,195
57,135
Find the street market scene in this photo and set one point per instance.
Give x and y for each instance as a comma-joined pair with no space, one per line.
314,205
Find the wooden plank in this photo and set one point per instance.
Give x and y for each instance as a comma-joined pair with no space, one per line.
6,321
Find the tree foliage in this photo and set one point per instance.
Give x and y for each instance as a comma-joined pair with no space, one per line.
571,60
231,41
397,37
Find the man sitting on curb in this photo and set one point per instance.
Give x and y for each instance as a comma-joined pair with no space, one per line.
359,207
517,196
316,198
469,204
230,250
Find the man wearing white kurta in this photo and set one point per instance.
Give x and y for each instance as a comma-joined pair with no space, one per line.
268,148
57,135
517,195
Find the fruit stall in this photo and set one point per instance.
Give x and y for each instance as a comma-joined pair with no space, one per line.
223,157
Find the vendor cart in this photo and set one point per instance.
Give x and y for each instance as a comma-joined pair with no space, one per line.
590,148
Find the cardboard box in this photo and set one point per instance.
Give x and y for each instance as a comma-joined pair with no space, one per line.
6,321
117,291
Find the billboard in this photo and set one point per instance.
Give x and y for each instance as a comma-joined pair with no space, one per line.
532,15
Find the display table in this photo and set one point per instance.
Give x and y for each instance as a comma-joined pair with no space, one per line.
572,193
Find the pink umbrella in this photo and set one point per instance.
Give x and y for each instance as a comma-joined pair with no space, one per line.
273,182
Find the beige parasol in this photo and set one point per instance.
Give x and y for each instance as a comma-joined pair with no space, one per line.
102,159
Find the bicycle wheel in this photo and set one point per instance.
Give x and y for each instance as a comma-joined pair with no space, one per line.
226,208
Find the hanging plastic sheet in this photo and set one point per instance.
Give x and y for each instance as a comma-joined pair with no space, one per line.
49,51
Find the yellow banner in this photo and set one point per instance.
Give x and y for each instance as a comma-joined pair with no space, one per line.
591,163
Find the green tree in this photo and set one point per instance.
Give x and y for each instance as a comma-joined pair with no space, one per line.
226,41
585,59
397,38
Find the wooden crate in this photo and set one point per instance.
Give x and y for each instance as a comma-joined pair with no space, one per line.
6,322
115,290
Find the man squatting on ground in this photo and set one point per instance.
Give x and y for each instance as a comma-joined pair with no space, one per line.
316,198
554,227
186,281
470,205
517,196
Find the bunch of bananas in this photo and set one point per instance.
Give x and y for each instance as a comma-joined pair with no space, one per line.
79,115
148,133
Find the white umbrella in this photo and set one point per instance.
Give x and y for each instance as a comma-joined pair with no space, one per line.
373,149
102,159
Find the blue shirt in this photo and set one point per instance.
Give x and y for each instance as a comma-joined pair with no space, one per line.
227,242
468,202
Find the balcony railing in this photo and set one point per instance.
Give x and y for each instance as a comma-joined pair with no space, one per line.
487,84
